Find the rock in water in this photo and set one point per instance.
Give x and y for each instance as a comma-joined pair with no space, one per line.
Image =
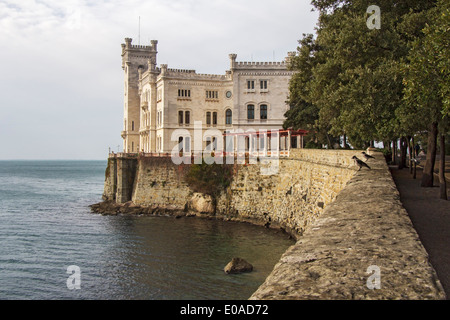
238,265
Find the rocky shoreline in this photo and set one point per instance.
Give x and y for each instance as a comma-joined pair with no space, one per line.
111,208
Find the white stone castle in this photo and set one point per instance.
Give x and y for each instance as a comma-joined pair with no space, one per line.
162,105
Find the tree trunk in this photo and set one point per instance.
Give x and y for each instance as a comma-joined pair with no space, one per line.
403,147
388,145
427,176
411,153
394,152
345,142
329,146
442,182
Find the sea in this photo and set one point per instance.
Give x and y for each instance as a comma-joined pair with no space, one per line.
52,247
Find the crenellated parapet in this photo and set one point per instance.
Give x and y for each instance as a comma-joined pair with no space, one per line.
266,65
192,74
263,64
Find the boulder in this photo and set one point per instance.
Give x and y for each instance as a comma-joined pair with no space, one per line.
238,265
202,203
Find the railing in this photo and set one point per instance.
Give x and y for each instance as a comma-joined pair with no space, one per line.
235,154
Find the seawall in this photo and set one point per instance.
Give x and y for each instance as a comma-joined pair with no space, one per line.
363,246
303,185
345,221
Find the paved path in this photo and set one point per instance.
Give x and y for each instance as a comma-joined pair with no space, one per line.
431,219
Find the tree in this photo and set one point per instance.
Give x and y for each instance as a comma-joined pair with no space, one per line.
426,83
349,78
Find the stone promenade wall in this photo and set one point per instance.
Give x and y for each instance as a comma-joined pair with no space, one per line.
364,237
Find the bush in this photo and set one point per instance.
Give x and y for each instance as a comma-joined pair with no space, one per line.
313,145
209,178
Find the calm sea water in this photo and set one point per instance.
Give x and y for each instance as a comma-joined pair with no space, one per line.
46,226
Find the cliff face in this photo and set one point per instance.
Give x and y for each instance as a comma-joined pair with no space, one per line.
355,239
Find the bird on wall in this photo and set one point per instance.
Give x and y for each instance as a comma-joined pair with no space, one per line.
360,163
367,156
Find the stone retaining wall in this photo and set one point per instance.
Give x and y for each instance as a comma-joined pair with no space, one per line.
296,195
363,246
159,183
345,222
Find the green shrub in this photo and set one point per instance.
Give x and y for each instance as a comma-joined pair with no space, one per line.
209,178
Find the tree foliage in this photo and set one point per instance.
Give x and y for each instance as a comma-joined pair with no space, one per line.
349,78
427,73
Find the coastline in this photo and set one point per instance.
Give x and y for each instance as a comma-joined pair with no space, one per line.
111,208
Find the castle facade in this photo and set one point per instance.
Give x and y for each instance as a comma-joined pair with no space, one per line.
163,106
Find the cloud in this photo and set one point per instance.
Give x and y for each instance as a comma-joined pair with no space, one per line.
61,66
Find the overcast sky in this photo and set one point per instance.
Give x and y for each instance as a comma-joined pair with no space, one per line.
60,66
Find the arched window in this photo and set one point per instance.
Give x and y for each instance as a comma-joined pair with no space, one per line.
250,112
228,116
263,112
187,117
180,117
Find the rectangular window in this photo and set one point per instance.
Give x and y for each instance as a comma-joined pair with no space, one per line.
208,118
187,144
250,112
250,84
184,93
263,84
187,117
263,112
132,125
214,118
212,95
228,116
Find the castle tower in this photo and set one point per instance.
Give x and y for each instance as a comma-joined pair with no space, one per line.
134,60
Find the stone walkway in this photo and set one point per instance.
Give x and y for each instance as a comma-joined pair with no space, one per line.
431,219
